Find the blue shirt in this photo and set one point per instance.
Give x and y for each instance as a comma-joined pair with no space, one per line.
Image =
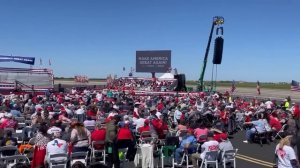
15,113
188,140
259,125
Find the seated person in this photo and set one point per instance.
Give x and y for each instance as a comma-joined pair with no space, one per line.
9,140
224,145
201,131
9,122
274,122
56,146
98,135
208,146
89,122
218,134
186,145
258,126
125,139
55,128
145,128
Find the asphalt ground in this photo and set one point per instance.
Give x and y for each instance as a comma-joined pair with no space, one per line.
250,155
253,155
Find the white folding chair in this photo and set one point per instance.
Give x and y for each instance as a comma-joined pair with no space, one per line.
229,157
79,156
58,160
94,151
280,131
210,158
186,156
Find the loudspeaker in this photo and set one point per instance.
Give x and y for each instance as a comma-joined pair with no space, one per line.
180,82
218,52
60,89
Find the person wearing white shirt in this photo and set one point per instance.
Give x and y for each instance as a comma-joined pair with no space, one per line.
139,122
286,157
177,115
80,111
54,129
89,122
208,146
56,146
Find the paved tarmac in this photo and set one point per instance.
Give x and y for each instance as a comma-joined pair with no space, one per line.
253,155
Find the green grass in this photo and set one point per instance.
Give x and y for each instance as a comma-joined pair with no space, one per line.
246,84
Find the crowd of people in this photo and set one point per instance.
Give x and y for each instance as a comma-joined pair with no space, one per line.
142,84
194,124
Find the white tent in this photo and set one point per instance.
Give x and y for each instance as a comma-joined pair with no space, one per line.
167,76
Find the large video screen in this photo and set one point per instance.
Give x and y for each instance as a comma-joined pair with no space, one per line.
153,61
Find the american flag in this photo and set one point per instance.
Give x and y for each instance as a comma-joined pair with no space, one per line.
295,86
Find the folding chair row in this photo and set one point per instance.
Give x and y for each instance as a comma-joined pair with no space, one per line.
10,161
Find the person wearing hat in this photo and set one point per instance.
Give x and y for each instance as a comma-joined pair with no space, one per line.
98,135
187,144
144,128
208,146
224,144
56,146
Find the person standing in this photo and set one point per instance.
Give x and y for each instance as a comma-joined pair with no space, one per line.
41,142
286,157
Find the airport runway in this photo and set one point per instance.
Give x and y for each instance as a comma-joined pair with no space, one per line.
245,92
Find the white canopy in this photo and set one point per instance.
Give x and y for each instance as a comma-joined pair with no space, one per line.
167,76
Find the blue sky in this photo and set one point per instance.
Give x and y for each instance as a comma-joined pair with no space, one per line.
99,37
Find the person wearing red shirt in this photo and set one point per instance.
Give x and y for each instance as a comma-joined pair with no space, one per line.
164,127
274,122
91,112
146,126
125,140
296,111
98,135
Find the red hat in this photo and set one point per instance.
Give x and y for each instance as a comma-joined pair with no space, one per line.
39,109
50,108
190,130
223,136
62,109
146,122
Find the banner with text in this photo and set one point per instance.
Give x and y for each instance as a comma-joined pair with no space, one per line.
24,60
153,61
